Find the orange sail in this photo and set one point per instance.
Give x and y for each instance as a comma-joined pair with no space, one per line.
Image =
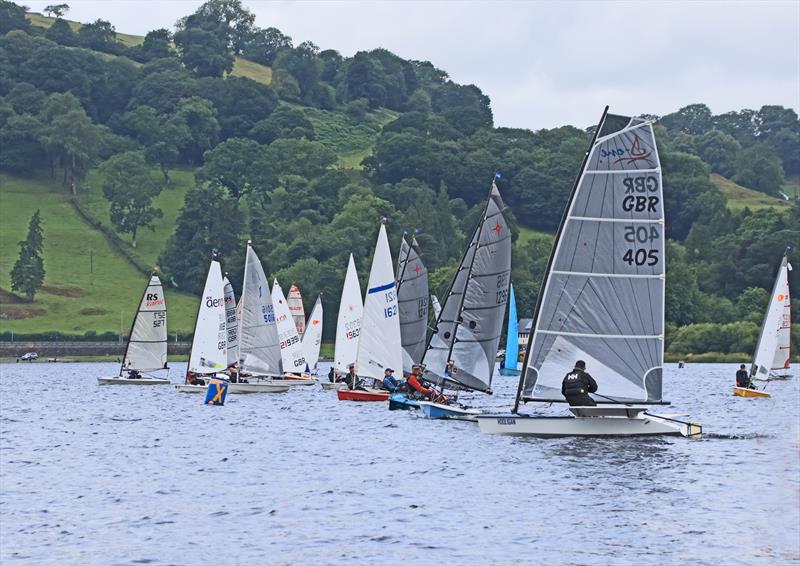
295,301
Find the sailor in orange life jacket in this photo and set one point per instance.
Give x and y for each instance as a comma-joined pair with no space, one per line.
415,382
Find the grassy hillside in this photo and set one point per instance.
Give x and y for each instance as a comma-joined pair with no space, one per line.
45,22
87,284
350,141
150,243
740,197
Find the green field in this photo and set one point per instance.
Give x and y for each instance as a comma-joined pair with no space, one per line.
88,285
150,243
45,22
740,197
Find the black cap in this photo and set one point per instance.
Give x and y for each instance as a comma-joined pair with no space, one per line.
741,366
580,364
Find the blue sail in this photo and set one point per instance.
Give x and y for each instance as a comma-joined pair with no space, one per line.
512,339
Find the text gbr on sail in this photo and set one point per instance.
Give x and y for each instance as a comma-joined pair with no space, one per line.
639,202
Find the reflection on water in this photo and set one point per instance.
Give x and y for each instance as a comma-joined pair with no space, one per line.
98,475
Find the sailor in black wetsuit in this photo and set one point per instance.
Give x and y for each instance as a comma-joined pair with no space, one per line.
743,378
577,385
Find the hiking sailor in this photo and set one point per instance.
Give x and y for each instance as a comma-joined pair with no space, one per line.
577,385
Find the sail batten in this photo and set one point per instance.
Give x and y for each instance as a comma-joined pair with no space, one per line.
603,296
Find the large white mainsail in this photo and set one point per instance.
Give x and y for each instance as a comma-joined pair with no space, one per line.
259,353
292,357
147,344
412,301
603,297
231,322
464,343
210,344
773,349
348,323
312,337
379,344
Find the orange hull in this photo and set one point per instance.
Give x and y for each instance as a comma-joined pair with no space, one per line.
745,392
357,395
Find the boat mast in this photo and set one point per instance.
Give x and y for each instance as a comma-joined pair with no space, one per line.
405,261
459,317
240,318
133,324
543,288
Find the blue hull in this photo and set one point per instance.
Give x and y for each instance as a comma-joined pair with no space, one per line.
399,402
504,371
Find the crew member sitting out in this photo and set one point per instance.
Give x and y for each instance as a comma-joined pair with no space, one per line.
743,378
332,375
416,385
390,381
577,385
134,374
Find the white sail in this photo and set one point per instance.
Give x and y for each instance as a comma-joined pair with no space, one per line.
312,337
258,335
603,298
147,345
232,322
379,345
772,352
295,301
292,357
210,343
437,307
348,323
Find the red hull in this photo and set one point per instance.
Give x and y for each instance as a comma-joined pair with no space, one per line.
356,395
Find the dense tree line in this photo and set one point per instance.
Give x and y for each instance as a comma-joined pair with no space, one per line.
74,98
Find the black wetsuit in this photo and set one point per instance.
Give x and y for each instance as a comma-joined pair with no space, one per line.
742,378
576,387
332,375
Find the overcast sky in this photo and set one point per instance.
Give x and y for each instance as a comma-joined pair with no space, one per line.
545,64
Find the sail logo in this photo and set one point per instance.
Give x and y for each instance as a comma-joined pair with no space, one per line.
781,297
634,154
214,303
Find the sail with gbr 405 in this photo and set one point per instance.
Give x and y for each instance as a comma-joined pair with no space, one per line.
603,296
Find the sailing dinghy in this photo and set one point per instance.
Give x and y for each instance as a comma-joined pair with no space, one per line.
293,359
209,355
509,366
773,350
463,347
348,327
379,344
146,350
312,337
603,297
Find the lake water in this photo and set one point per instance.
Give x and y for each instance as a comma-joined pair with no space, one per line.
121,475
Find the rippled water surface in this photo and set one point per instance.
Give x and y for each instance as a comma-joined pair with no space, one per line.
116,475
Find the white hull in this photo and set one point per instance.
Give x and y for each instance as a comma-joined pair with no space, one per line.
127,381
328,386
237,388
635,423
293,381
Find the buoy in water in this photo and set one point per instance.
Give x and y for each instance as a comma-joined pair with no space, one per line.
217,391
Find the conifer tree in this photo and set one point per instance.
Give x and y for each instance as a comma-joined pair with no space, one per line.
27,274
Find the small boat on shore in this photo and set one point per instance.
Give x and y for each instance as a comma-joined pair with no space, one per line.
146,350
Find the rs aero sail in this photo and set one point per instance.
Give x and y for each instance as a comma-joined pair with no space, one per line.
602,300
773,351
146,350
